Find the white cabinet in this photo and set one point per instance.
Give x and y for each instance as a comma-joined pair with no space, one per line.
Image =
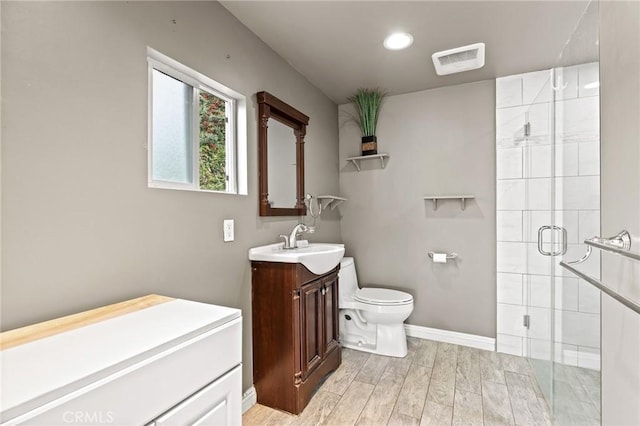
216,404
175,363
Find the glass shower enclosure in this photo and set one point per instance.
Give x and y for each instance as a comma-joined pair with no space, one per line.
548,203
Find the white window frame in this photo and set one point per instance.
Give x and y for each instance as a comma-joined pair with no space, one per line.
236,130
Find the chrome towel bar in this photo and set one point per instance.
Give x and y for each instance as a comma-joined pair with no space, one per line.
618,244
600,286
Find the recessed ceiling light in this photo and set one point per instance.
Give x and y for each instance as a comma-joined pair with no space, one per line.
398,41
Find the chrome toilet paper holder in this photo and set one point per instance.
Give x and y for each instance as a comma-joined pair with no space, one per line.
451,255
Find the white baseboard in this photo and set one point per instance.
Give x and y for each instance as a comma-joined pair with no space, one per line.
580,359
471,340
249,399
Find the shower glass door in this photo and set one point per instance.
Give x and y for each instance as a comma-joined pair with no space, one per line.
530,232
576,319
562,180
548,192
576,304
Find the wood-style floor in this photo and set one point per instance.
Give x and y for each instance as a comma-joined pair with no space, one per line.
435,384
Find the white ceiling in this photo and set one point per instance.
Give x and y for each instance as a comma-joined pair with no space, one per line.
337,45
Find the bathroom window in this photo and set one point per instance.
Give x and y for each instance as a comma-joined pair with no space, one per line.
197,130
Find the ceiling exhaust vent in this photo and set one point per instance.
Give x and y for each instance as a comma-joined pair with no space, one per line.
460,59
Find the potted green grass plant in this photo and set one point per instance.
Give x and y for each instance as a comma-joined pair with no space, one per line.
368,103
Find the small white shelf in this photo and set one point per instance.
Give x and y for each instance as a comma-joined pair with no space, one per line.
356,160
330,201
462,198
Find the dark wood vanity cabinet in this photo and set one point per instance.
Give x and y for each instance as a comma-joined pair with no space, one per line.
295,332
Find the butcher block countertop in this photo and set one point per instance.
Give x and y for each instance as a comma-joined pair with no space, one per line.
27,334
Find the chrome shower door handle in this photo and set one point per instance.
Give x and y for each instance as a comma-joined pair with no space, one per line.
540,249
563,248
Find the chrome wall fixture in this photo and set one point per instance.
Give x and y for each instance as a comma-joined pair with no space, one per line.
618,244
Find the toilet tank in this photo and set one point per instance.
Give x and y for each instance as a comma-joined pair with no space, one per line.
348,281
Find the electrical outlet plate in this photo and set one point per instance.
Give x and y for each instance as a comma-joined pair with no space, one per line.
228,230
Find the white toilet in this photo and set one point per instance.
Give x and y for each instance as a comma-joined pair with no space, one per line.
371,319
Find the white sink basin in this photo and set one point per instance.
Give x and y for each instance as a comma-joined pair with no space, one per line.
319,258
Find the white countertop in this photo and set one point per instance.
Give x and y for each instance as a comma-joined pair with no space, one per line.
41,371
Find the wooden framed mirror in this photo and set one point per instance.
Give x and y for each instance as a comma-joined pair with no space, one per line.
280,157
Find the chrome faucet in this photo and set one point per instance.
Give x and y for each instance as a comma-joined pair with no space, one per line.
290,242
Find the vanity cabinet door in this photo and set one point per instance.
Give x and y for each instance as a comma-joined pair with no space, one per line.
311,326
330,308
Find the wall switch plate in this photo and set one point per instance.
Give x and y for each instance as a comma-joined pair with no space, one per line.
228,230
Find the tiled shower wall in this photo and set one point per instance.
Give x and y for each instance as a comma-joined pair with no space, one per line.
527,168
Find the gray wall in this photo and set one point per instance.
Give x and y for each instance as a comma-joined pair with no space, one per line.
620,134
440,142
80,227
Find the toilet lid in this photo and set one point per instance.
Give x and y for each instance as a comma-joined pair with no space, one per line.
382,296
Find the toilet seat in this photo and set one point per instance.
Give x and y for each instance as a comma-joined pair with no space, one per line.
382,296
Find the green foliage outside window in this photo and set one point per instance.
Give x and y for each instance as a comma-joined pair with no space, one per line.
213,125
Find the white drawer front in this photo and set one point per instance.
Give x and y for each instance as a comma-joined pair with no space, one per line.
140,393
220,403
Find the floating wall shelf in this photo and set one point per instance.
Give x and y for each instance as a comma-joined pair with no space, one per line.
330,201
356,160
462,198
